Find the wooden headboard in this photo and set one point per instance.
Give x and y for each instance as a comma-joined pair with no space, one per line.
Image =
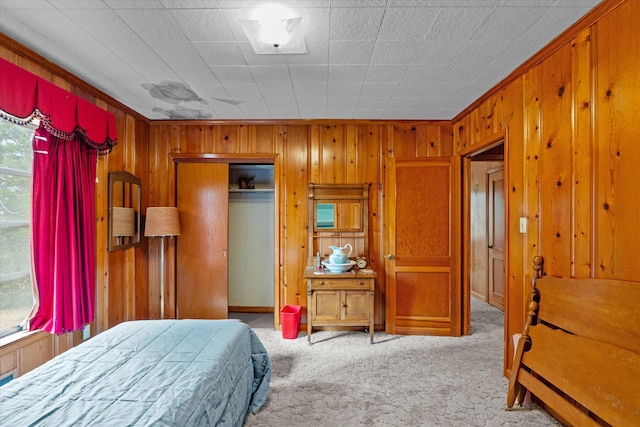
579,354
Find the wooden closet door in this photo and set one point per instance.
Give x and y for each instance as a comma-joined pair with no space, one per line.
422,271
496,237
202,247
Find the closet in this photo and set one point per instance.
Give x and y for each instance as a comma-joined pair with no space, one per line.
225,253
251,238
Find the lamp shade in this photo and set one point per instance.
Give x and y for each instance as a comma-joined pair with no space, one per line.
124,221
162,221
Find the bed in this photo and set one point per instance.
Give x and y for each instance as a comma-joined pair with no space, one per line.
579,353
143,373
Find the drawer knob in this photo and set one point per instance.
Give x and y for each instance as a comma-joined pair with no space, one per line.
361,283
344,305
321,283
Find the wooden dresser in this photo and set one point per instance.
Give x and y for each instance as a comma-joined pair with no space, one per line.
340,299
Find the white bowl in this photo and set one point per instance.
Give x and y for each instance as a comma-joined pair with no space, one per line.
339,268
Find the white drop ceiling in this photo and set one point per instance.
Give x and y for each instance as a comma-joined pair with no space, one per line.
367,59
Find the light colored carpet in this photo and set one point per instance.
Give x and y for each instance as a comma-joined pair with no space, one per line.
342,380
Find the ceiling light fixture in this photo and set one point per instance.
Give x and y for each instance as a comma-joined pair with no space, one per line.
275,31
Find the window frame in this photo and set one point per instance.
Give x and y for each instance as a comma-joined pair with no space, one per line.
33,126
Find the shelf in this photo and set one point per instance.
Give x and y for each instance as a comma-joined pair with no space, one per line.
251,190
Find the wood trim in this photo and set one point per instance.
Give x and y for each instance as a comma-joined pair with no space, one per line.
298,122
243,309
465,216
484,145
222,158
591,18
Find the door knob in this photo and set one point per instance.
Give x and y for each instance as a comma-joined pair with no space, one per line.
389,256
490,246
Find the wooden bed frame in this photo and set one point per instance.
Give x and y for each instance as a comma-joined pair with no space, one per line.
579,354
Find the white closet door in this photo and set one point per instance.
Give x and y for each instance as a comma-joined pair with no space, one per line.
251,249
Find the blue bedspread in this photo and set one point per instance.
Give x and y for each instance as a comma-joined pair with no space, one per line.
146,373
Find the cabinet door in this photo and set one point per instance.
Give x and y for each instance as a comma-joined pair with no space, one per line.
355,305
326,306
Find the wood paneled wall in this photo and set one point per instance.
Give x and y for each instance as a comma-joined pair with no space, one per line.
121,276
571,156
320,152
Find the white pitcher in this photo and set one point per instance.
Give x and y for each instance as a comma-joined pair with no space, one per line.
340,254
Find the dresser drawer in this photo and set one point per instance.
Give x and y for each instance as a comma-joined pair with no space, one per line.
355,283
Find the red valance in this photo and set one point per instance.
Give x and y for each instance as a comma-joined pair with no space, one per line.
25,96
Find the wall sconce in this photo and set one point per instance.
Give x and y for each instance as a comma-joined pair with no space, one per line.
162,222
275,31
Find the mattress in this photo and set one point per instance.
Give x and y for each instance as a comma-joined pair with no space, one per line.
143,373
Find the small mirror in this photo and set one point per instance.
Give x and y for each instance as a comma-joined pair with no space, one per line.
341,215
124,211
325,215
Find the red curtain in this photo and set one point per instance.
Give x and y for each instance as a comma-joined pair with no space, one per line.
24,96
72,133
63,233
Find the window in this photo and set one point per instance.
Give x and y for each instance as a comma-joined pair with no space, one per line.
16,158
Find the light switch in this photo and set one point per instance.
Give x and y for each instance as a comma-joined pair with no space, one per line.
523,225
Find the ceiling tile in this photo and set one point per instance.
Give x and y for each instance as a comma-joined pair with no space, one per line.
203,25
393,52
347,73
152,25
350,52
309,73
507,23
341,90
271,74
271,91
458,23
375,90
410,23
78,4
221,54
355,23
233,75
310,90
385,73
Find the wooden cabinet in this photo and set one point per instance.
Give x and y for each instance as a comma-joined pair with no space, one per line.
344,300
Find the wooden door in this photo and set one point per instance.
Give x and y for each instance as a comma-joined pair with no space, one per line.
422,272
496,236
202,199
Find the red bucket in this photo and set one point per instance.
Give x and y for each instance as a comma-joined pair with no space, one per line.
290,321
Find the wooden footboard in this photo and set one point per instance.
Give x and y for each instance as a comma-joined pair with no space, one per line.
580,350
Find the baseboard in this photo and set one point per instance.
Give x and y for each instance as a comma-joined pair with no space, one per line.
243,309
479,296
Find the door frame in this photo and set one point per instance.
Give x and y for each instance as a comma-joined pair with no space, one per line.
499,138
273,159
